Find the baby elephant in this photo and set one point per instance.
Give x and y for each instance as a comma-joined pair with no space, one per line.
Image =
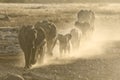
64,43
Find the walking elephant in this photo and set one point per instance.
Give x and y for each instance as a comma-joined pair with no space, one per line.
32,42
50,34
64,43
86,16
85,22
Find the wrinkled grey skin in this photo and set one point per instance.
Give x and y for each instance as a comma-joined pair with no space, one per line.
50,34
64,43
31,42
76,38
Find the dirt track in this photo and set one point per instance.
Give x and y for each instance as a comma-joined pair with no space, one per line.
100,67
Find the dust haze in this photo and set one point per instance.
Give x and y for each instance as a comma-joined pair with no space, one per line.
101,49
106,30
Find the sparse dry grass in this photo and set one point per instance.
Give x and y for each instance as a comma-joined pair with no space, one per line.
58,13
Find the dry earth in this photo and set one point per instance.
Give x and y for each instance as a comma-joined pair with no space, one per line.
98,60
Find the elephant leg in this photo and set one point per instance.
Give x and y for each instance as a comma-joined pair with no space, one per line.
25,55
27,59
42,54
65,49
35,57
72,44
61,50
33,60
54,42
53,45
77,45
68,49
49,48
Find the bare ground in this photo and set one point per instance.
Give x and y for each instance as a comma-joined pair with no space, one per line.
103,67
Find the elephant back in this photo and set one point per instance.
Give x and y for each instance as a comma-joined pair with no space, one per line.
48,28
86,16
43,25
40,36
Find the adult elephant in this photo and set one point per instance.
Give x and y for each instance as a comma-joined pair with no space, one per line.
86,16
50,34
85,21
32,42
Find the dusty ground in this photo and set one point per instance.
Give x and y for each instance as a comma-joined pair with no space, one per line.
98,60
104,66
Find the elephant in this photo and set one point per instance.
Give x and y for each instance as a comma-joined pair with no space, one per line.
32,42
64,43
76,38
50,32
85,22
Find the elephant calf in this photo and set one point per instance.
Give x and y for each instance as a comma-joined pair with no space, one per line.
64,43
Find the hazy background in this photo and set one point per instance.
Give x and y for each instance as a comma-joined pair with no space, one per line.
60,1
99,59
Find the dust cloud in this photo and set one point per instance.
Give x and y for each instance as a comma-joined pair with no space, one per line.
105,30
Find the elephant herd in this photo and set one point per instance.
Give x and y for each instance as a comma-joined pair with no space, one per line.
40,39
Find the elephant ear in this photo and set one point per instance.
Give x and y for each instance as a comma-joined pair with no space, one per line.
60,36
69,36
37,24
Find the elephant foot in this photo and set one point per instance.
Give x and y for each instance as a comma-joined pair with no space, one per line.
33,62
50,54
27,67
